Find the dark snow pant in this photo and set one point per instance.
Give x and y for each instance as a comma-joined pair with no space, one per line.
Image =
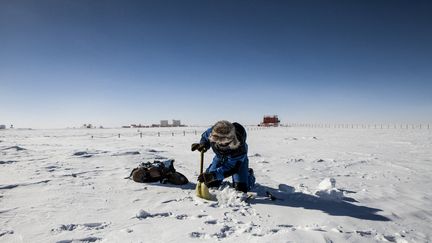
237,167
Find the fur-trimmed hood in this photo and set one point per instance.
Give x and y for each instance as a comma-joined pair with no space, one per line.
224,136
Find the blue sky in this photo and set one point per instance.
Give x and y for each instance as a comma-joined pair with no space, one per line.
68,62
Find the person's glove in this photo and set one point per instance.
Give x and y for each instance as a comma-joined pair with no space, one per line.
207,178
198,146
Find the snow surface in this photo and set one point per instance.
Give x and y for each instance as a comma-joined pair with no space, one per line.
330,185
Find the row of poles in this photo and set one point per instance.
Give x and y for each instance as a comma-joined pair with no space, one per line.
303,125
363,126
157,134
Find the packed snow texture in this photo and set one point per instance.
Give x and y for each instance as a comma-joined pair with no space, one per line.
313,185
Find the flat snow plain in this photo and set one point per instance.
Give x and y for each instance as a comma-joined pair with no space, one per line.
68,186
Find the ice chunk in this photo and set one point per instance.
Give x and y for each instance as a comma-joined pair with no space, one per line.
327,183
327,190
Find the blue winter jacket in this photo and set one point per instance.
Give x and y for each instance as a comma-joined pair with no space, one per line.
230,160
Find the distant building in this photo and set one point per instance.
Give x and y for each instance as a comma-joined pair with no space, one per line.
2,126
164,123
138,126
270,121
176,123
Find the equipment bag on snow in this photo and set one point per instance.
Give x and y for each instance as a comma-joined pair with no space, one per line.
162,171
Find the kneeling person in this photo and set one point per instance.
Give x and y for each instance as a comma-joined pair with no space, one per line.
228,142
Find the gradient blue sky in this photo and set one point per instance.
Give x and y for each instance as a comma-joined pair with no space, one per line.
68,62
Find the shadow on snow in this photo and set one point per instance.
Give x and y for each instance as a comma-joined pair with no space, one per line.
307,201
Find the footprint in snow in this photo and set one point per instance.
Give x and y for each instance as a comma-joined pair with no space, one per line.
197,235
224,232
17,148
158,157
142,214
87,239
51,168
6,232
182,216
295,160
154,151
390,238
274,231
127,153
86,226
5,162
88,154
255,155
11,186
364,233
285,225
83,154
199,216
210,222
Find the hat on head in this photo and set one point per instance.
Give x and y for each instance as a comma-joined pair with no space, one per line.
223,133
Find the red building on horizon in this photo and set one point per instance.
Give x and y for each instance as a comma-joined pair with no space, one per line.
270,121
